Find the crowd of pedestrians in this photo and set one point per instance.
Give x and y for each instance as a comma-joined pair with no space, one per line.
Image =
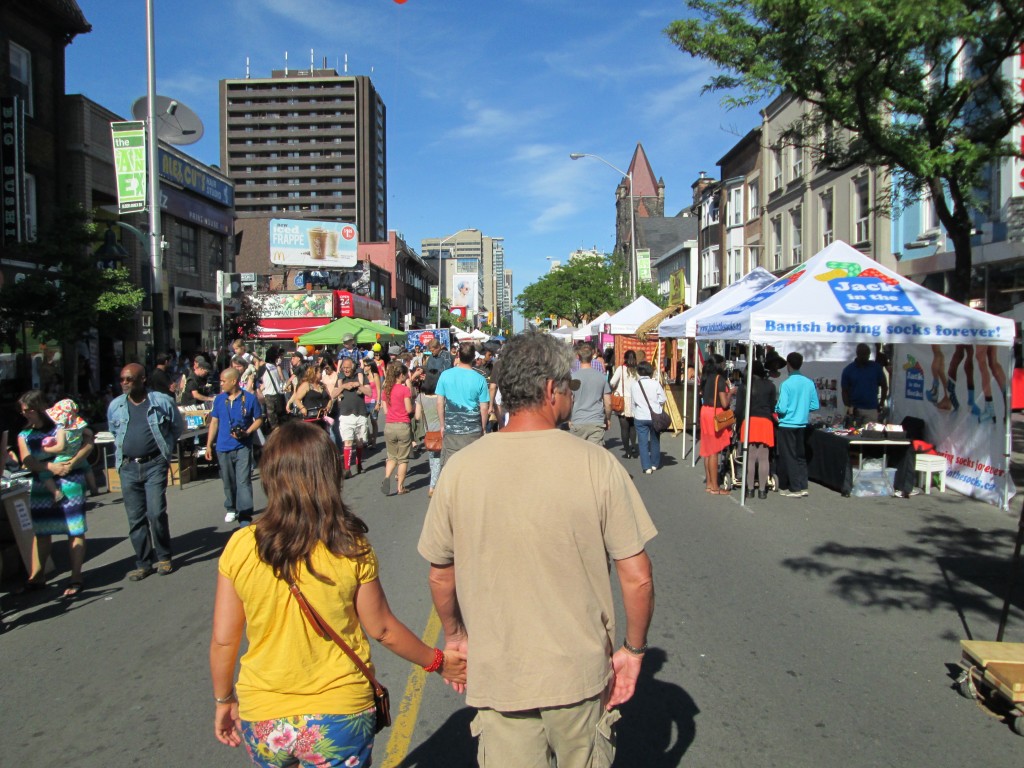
308,420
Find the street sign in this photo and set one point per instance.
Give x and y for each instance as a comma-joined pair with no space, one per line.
130,165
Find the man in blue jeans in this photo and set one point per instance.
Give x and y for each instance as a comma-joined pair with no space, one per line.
146,427
235,416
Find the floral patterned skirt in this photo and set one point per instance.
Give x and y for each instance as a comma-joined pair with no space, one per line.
311,740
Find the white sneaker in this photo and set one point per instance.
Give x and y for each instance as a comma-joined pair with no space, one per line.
649,471
230,517
793,494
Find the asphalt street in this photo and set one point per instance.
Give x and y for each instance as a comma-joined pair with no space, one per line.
791,633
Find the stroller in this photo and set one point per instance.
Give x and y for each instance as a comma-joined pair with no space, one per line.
732,462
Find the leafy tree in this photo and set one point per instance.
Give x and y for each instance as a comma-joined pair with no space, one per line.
245,323
67,295
578,290
886,71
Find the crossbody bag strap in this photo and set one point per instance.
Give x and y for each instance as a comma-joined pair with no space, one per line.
644,393
716,406
323,629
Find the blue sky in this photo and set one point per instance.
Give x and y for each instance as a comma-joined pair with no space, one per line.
485,100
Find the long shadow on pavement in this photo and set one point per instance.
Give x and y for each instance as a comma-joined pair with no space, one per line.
892,577
191,547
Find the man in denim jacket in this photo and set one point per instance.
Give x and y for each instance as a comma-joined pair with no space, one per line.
146,427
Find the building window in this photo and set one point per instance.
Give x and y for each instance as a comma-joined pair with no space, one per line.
929,216
862,209
734,265
827,218
186,237
709,273
798,162
21,77
735,207
796,237
776,243
753,200
776,170
31,211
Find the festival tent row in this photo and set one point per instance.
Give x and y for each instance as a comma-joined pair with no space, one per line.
841,295
684,325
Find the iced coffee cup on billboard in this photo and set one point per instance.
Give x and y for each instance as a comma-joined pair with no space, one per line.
317,242
332,244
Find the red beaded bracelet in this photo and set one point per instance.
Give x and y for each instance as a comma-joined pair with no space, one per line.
437,663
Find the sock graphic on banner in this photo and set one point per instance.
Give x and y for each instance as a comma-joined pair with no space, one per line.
951,389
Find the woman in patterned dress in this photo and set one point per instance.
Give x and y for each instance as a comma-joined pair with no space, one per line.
50,518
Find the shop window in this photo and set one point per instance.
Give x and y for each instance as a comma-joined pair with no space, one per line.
21,77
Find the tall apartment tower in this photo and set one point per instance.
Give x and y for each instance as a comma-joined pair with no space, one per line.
471,270
307,144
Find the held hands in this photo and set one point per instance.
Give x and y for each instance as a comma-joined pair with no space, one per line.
454,669
227,725
456,645
626,671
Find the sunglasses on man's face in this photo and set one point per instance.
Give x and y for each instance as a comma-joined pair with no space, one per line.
128,379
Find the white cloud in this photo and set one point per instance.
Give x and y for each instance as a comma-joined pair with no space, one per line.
485,121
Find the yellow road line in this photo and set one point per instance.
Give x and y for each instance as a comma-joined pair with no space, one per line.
404,723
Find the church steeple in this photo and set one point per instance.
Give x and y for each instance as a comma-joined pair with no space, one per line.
644,182
648,199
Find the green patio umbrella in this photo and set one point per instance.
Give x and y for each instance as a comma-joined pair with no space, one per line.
386,332
333,332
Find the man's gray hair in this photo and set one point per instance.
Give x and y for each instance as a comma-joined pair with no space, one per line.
527,362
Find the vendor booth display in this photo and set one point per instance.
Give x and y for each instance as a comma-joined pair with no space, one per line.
684,325
841,295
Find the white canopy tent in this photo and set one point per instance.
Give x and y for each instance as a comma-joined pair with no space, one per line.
842,295
684,325
586,330
565,333
627,319
475,335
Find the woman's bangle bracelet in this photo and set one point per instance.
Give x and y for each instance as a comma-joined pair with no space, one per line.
635,651
437,663
227,699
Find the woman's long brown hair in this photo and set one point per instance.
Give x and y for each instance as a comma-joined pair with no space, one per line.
391,375
302,471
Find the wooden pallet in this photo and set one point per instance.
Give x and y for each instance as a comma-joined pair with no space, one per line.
999,665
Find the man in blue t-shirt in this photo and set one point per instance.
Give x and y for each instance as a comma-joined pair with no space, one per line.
861,383
463,403
797,398
236,415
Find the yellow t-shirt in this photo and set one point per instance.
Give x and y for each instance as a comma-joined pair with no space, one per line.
288,669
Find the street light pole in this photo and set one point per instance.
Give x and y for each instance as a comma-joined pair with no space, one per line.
632,222
155,235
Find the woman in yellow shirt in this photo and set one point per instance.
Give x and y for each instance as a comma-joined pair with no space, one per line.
299,698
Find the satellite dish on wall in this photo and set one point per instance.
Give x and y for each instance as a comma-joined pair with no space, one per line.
175,122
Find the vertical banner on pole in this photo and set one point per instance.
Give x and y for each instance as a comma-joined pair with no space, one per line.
130,165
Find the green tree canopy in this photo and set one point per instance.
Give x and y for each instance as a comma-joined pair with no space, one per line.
918,86
578,290
68,294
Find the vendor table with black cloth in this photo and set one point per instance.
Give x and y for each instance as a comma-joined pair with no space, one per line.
828,459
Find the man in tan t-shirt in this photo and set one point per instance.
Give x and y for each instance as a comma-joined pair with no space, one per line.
519,572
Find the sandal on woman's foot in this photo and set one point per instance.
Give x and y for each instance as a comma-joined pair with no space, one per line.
401,491
74,589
